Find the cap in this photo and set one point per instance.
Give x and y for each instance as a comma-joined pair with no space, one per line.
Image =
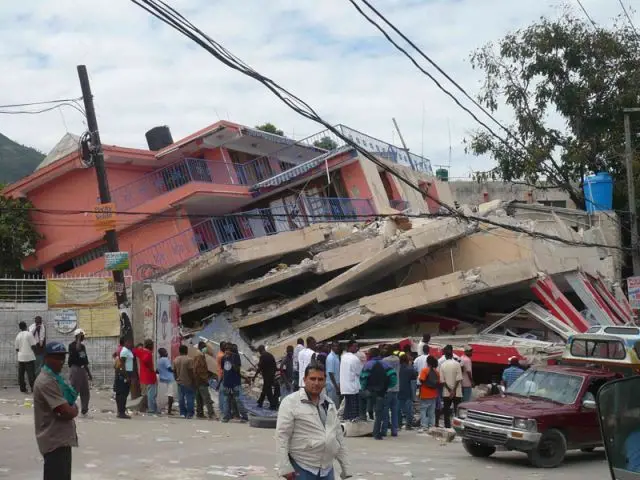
78,331
55,348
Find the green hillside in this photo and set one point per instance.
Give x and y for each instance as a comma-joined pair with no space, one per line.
16,161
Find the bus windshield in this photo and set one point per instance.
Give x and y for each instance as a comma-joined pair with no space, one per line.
602,349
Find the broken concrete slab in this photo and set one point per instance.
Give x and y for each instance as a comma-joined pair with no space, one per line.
283,309
409,247
200,300
348,255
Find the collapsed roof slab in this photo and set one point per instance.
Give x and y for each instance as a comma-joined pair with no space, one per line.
201,300
288,307
422,294
246,253
324,262
409,247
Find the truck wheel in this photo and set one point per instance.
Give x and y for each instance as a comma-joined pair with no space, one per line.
550,451
476,449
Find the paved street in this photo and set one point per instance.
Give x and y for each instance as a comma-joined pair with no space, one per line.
171,448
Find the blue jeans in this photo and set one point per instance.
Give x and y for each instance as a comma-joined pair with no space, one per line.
406,411
379,404
285,390
428,413
466,394
233,394
222,401
302,474
332,393
186,397
390,406
152,394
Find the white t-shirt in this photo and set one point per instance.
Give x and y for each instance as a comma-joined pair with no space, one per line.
304,359
24,342
451,373
350,368
442,359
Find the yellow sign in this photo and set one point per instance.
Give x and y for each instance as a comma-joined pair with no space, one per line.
99,322
105,216
80,292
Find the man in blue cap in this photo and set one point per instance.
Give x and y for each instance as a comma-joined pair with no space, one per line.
54,408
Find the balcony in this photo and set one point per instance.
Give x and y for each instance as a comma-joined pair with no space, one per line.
216,231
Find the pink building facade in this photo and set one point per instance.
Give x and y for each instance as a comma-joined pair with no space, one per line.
223,184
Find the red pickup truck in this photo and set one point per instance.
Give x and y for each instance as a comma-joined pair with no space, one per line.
545,412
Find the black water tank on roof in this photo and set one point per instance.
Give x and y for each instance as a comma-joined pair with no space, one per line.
158,138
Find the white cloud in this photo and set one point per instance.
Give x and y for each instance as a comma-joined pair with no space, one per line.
144,74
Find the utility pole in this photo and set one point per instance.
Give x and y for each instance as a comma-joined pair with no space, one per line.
97,156
631,190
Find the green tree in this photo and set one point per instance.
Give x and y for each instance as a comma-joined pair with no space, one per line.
326,143
18,236
565,84
270,128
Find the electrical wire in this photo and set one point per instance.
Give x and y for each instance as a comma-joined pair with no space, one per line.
43,110
47,102
626,13
586,14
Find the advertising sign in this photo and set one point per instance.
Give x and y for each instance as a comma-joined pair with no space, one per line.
105,216
118,261
65,321
633,291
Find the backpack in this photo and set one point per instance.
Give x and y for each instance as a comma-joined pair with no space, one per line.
378,381
432,379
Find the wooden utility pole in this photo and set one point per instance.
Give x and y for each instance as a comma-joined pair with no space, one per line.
97,159
404,145
631,190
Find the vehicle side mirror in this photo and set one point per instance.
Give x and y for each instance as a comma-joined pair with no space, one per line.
589,404
618,404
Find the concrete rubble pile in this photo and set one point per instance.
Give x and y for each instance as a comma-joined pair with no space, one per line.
401,276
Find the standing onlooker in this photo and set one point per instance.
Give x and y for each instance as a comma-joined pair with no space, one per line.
231,384
124,373
166,386
148,378
287,374
350,369
391,406
451,375
421,361
296,366
467,373
429,391
183,372
267,368
376,379
426,338
39,333
221,396
309,438
512,373
25,346
79,374
405,392
54,408
306,356
201,377
333,374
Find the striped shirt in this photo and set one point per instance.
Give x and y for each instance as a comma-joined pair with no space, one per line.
511,374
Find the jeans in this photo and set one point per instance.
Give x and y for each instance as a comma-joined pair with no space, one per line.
390,407
152,398
234,394
379,404
302,474
285,389
332,393
428,413
122,387
450,406
222,401
466,394
406,412
186,396
57,464
30,369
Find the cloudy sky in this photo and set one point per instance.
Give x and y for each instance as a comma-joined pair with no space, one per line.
145,74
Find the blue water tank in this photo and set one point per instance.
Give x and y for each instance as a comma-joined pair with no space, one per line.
598,192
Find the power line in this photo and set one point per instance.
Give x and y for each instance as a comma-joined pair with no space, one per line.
176,20
586,14
626,13
43,110
47,102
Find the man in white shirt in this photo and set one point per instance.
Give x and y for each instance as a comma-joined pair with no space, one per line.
25,344
305,357
38,331
420,362
296,366
350,368
451,376
426,338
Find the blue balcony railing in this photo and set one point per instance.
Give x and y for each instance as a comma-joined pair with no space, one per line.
216,231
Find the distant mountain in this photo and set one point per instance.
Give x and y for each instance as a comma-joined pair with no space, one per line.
16,161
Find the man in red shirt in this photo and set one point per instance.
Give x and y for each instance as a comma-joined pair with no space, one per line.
148,379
